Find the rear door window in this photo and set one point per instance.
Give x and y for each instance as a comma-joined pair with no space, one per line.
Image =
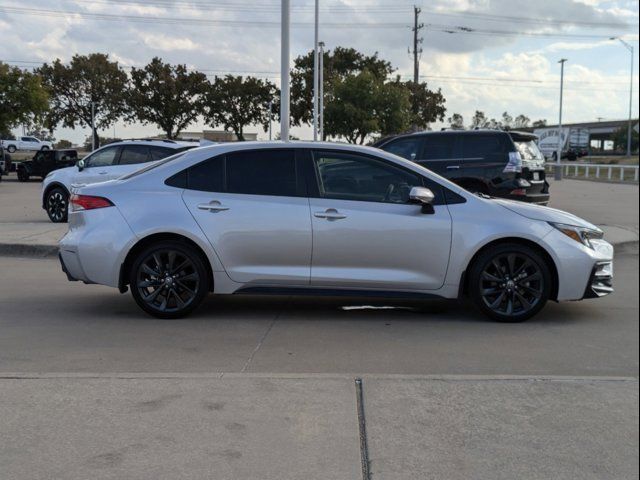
438,147
133,154
158,153
262,172
408,147
207,176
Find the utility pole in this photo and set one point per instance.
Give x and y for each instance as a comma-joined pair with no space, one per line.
270,119
558,172
321,91
416,51
315,73
284,70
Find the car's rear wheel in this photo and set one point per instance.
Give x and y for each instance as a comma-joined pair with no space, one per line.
510,282
23,176
56,203
44,147
168,280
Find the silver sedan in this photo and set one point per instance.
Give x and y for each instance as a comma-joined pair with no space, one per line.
323,219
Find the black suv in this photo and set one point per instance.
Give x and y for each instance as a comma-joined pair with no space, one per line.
484,161
45,162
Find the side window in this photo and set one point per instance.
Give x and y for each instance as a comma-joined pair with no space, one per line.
408,147
207,176
103,158
353,177
438,147
262,172
132,154
26,139
158,153
481,146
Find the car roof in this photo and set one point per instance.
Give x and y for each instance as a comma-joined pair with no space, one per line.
428,133
522,136
156,142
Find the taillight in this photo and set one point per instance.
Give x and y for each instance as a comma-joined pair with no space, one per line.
88,202
518,191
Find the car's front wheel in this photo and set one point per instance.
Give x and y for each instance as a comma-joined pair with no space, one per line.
56,204
11,149
168,280
510,282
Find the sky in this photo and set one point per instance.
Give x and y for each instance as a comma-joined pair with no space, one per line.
489,55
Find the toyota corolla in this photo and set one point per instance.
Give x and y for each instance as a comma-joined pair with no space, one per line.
323,219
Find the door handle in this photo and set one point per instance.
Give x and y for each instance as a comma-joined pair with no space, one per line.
453,167
213,206
330,214
102,173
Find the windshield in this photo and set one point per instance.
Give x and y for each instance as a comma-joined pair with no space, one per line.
152,165
529,151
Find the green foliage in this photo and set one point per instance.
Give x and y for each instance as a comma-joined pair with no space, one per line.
427,106
62,144
73,88
165,95
456,121
539,123
235,102
338,64
23,99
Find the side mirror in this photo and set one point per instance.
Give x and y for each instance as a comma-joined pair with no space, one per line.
421,195
80,165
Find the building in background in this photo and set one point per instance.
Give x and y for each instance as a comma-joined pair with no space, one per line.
216,136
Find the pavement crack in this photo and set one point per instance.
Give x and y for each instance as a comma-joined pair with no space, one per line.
362,426
260,342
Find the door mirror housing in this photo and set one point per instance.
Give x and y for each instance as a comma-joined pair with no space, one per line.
80,165
421,195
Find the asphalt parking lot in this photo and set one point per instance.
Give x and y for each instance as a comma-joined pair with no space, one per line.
263,387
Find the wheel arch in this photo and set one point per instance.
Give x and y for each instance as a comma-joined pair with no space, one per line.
464,280
145,242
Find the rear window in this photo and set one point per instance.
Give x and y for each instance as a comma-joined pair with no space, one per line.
482,146
529,150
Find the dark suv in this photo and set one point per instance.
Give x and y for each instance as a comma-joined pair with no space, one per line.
45,162
493,162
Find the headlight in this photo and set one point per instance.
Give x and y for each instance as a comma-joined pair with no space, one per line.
581,235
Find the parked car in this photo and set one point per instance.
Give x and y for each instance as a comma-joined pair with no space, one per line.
485,161
106,163
5,162
44,162
315,218
26,143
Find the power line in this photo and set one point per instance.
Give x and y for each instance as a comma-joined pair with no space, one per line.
451,29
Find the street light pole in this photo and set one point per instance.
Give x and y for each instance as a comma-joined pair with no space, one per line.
558,172
629,132
315,74
93,136
270,119
284,70
321,91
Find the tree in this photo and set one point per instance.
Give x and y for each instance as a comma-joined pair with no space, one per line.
235,102
74,87
63,143
22,98
39,131
456,121
165,95
427,106
540,123
363,105
479,120
507,120
338,64
521,121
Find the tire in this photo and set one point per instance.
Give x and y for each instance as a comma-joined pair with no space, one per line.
169,280
23,176
500,290
11,149
56,204
44,147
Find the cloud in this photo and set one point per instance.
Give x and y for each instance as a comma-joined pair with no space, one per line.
166,43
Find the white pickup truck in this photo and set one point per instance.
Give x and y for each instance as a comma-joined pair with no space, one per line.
26,143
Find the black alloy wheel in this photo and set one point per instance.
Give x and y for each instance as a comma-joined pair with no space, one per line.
57,203
510,283
169,280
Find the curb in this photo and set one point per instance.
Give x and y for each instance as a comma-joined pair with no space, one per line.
28,250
